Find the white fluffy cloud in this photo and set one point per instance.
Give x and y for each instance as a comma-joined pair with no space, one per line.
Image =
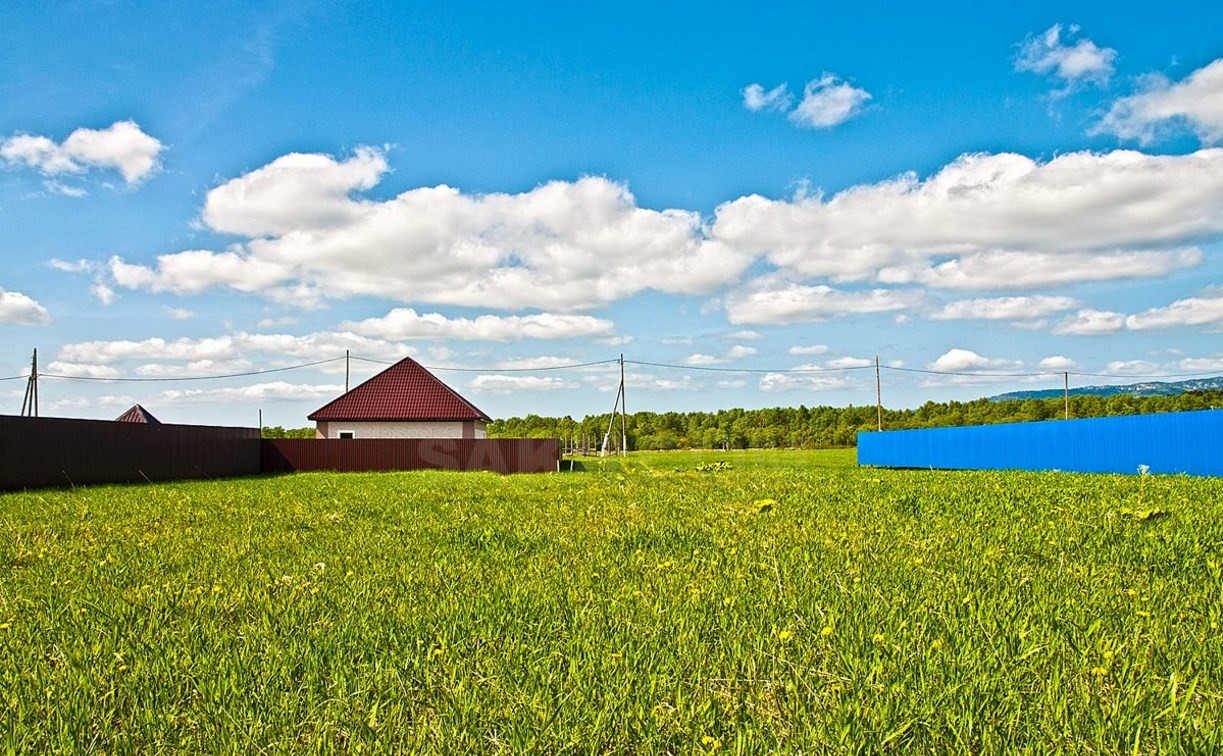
736,352
1058,362
779,382
828,101
1082,61
1198,311
1090,323
1005,221
314,346
966,360
985,271
773,300
122,146
271,391
1196,102
562,246
1003,308
405,323
755,97
512,384
808,351
19,309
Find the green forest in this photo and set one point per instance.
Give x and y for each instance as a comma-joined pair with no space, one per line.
824,427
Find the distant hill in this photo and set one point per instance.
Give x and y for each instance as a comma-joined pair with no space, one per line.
1148,388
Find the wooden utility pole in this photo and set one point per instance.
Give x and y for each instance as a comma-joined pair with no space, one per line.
1066,389
29,405
878,393
623,411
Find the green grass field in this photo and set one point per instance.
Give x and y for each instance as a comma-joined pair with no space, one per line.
792,602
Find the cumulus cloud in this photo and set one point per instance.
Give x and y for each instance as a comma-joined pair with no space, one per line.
755,97
1082,61
1003,308
294,193
1196,102
743,335
1134,368
19,309
122,146
734,353
773,300
995,222
828,101
1058,362
965,360
405,323
1034,270
779,382
561,246
849,362
1090,323
1194,311
272,391
964,367
513,384
77,370
808,351
313,346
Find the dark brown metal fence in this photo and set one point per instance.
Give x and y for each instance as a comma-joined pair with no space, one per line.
52,451
502,455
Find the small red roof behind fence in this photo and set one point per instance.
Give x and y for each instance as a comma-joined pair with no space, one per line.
404,391
137,414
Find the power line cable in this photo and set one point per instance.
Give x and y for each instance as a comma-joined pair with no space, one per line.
748,370
501,370
188,378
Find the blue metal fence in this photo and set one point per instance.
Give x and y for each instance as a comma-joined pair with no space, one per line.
1174,442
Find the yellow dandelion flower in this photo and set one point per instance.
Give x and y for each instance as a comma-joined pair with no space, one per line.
785,635
4,626
880,638
1099,671
827,631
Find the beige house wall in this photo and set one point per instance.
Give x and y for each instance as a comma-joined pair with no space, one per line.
451,429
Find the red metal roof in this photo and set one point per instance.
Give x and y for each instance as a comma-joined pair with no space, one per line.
137,414
404,391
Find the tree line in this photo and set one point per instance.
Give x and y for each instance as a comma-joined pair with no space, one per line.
824,427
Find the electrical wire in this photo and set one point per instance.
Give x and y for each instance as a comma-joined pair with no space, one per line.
501,370
747,370
664,365
190,377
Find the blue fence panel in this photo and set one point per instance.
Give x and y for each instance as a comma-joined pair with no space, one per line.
1174,442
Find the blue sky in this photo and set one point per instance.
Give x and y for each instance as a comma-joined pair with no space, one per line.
984,191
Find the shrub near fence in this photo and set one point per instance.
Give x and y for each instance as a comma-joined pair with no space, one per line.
501,455
54,451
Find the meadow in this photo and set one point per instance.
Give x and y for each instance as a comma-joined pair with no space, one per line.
681,602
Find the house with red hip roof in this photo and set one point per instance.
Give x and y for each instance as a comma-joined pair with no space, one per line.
403,401
137,414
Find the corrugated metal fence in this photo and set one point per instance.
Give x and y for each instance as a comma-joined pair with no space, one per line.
502,455
48,451
52,451
1174,442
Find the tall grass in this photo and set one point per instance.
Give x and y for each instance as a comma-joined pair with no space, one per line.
790,602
